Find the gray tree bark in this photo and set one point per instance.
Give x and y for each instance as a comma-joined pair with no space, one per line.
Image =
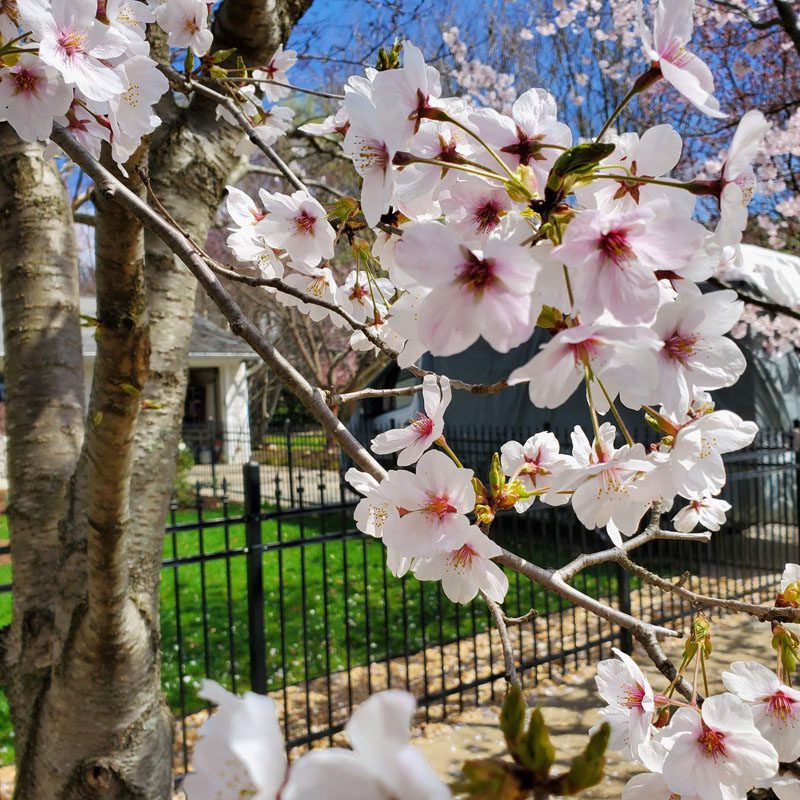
80,662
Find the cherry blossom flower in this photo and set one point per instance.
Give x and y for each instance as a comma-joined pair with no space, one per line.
467,569
130,18
775,706
406,94
413,440
433,505
85,127
717,752
298,224
475,207
475,292
31,94
534,464
404,318
438,141
631,703
275,70
383,765
240,750
738,182
709,512
186,24
73,42
371,145
374,514
317,283
666,48
602,479
519,138
270,126
130,112
653,155
695,354
695,465
615,255
612,353
367,297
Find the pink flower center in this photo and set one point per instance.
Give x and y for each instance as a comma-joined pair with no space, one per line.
780,706
191,25
679,348
476,274
615,247
526,148
583,352
304,223
423,425
633,694
358,293
462,558
712,743
488,216
25,81
439,506
370,154
72,42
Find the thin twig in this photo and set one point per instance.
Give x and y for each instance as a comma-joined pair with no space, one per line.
505,641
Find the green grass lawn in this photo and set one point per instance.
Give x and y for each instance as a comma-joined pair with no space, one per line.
327,606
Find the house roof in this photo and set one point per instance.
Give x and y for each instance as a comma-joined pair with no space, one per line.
208,339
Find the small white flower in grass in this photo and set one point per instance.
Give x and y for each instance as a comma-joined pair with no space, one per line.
738,179
716,753
631,703
298,224
666,48
240,751
186,23
467,569
420,434
613,354
708,512
433,505
383,765
275,70
73,42
474,293
535,464
31,94
603,480
775,706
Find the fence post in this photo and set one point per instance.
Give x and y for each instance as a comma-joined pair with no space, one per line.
624,598
251,475
289,459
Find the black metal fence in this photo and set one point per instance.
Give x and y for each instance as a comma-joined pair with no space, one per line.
277,591
268,586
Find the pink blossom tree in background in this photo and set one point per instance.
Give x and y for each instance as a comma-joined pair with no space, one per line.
474,213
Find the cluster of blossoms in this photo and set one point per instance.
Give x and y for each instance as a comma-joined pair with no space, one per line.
86,65
491,224
734,742
241,753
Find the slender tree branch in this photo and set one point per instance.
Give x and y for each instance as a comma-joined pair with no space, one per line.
505,641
